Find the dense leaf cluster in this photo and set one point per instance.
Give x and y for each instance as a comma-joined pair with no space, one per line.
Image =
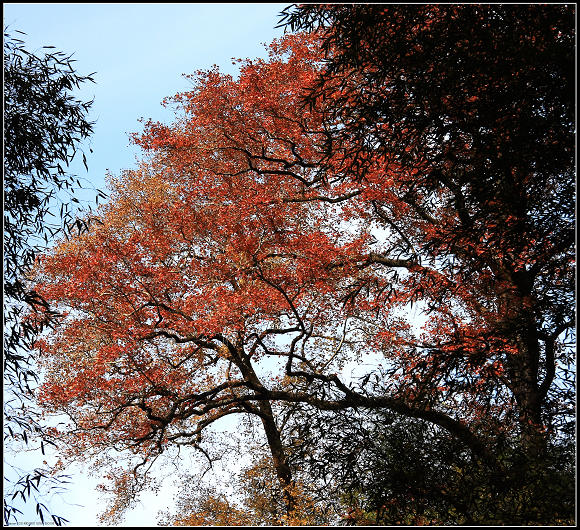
380,468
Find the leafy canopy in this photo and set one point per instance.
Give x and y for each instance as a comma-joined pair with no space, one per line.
263,249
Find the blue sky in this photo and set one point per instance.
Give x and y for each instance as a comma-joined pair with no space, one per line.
139,53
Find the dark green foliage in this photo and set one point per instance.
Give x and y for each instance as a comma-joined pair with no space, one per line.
43,127
388,470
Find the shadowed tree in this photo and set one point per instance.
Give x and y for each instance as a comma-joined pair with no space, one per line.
43,129
477,104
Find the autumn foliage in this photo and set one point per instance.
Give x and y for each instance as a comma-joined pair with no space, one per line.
260,501
263,248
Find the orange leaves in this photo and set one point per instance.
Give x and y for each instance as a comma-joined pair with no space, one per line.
159,136
215,512
250,256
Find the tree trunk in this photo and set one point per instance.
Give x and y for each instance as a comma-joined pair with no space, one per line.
523,369
278,455
264,410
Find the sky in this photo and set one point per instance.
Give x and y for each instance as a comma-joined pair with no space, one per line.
139,53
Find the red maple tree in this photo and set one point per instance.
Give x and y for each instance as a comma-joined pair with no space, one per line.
250,258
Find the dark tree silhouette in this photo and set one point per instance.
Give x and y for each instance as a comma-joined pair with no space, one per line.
44,126
477,103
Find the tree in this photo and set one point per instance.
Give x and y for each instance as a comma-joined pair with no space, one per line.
263,248
375,467
476,103
167,380
43,129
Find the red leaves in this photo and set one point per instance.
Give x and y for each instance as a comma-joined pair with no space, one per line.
242,237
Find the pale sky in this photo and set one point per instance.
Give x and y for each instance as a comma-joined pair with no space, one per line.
139,53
